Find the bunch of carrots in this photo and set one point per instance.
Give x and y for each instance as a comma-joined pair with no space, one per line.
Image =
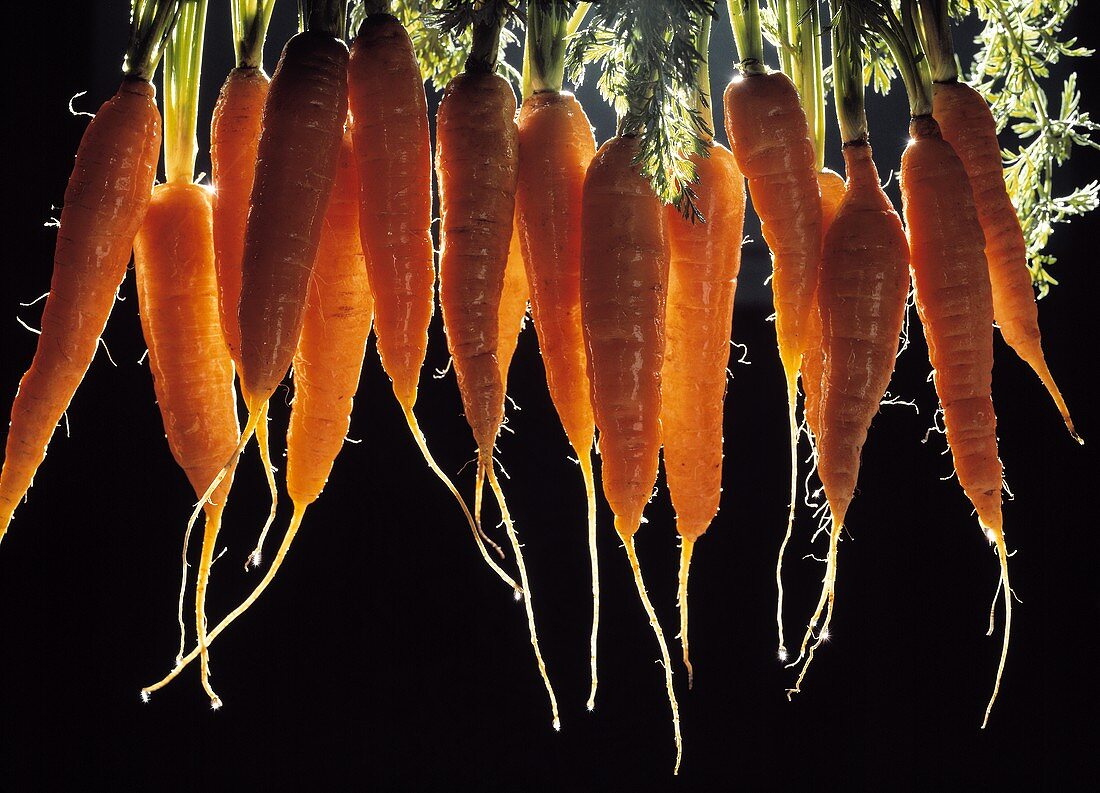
316,230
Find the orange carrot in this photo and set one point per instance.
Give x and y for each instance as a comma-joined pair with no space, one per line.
624,284
555,147
394,158
513,306
705,261
105,201
477,161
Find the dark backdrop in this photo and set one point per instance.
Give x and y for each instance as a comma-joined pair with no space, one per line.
386,657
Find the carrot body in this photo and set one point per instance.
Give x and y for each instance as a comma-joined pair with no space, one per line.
393,155
105,201
705,261
955,304
513,306
967,124
625,258
303,124
832,189
234,140
555,148
191,366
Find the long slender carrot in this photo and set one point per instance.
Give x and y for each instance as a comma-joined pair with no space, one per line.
513,306
704,264
234,139
327,364
105,200
394,157
624,284
477,161
556,146
770,137
954,300
966,122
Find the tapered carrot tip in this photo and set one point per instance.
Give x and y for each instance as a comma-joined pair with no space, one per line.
997,536
686,549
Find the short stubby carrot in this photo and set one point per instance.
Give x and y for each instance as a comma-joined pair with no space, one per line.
555,148
966,122
105,202
625,258
477,161
234,140
955,304
705,261
861,294
191,366
394,158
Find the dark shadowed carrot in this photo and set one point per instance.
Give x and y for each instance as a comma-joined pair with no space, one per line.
954,300
327,365
105,201
624,284
705,260
394,157
770,137
966,122
555,147
234,138
477,162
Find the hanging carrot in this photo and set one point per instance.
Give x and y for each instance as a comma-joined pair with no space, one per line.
954,299
477,161
513,306
394,159
705,260
555,147
769,136
105,202
861,293
234,138
327,365
967,124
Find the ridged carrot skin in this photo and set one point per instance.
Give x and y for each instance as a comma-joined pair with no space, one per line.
394,157
303,124
955,304
329,359
624,286
234,140
832,189
478,158
705,261
513,306
178,303
862,290
966,122
555,148
770,138
105,202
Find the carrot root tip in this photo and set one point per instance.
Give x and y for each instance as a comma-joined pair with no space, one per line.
144,696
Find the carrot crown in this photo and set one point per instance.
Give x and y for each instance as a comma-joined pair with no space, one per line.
847,39
182,65
747,34
151,23
324,16
903,41
937,41
250,21
550,23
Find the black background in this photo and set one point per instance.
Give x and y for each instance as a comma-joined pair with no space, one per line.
386,657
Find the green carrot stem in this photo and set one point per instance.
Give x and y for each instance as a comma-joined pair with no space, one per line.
544,50
485,49
324,16
702,89
937,38
848,77
151,24
182,67
904,45
745,20
250,21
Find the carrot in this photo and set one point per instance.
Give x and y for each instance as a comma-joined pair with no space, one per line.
477,161
770,137
234,138
624,283
513,306
178,303
105,200
299,147
556,146
705,260
954,301
327,365
966,122
393,155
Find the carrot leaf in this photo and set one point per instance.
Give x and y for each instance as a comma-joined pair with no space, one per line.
151,22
